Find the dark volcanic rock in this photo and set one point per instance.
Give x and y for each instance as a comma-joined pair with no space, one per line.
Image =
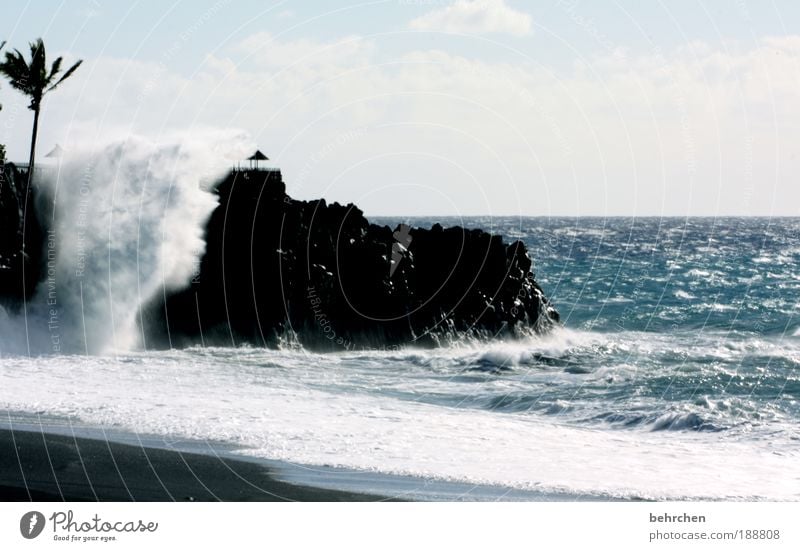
276,268
21,239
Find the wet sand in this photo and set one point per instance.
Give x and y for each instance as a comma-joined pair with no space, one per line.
41,466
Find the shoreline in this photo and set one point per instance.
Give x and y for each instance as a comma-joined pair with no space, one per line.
61,459
42,466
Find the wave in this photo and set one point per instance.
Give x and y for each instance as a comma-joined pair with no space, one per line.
602,355
327,414
124,221
683,421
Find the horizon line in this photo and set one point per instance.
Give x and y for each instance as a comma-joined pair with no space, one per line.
685,216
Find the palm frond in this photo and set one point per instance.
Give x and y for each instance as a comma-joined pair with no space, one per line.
37,67
16,70
66,75
54,69
32,77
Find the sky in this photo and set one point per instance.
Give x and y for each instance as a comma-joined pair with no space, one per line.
457,108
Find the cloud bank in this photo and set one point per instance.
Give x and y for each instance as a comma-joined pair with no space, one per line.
475,17
699,130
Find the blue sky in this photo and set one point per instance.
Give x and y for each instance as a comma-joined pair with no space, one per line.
447,107
143,29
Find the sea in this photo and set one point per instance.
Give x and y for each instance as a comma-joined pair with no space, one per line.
674,374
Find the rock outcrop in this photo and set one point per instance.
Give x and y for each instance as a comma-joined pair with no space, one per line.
278,269
21,239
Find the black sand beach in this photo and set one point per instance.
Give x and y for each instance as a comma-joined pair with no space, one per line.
40,466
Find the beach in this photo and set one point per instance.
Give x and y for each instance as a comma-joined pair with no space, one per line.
40,466
52,458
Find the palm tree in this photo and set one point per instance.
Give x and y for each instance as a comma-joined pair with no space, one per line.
33,79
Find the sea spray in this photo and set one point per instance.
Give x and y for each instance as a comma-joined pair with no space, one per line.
126,221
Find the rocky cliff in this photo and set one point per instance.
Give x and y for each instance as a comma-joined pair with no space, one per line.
277,269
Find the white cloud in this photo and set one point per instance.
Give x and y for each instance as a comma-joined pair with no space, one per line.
267,50
475,17
700,130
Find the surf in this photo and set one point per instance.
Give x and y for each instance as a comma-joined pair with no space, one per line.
124,221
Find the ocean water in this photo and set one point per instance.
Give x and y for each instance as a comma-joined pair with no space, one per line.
675,376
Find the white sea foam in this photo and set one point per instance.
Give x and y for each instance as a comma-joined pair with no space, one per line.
309,409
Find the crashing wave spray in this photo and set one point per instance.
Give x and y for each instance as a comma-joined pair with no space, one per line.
125,221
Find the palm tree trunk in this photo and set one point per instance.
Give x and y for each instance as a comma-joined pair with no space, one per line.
33,146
